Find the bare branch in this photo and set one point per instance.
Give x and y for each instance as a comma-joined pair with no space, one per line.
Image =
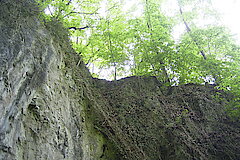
81,28
189,32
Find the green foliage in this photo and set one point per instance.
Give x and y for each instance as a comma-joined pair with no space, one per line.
110,38
152,43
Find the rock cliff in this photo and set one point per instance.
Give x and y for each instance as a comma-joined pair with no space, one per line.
52,109
187,122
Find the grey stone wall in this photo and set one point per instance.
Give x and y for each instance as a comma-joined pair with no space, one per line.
41,108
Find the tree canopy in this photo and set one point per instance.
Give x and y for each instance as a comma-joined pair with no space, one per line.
113,38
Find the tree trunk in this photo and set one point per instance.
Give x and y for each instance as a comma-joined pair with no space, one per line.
190,34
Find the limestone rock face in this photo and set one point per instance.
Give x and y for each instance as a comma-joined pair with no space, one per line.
41,107
52,109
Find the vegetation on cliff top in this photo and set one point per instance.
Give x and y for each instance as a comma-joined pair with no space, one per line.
112,37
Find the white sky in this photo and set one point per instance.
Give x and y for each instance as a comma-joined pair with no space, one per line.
230,10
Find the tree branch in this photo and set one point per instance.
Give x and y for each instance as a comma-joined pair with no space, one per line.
189,32
87,13
81,28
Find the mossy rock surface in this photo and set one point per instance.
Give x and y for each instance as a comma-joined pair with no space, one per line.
185,122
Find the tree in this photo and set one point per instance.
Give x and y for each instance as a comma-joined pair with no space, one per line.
107,41
152,42
143,45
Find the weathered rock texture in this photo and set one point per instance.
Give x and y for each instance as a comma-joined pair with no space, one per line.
41,102
52,109
188,122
